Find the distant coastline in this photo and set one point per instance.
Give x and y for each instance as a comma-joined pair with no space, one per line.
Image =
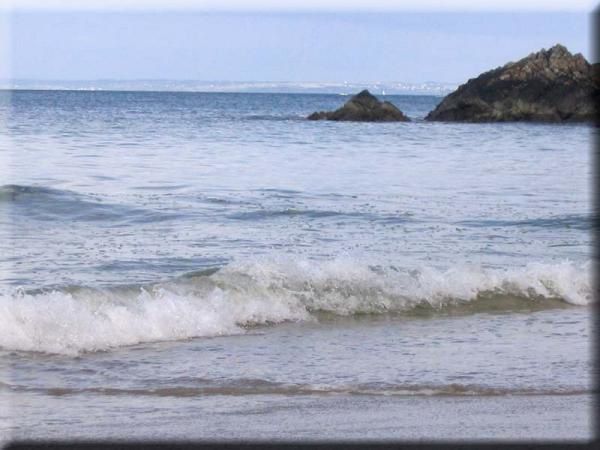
387,88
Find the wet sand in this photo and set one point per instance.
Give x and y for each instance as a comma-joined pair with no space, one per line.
317,417
344,378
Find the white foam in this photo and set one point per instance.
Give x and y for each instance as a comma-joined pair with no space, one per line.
259,292
68,323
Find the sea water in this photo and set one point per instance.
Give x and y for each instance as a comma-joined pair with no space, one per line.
205,265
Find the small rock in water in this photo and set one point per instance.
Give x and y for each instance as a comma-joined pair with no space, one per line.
363,107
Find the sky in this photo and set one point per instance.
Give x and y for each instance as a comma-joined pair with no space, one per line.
360,42
295,5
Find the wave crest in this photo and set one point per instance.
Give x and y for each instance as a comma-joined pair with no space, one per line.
77,319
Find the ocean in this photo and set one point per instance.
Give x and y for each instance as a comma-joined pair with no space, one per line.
183,265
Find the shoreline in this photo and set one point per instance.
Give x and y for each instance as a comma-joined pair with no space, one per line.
316,418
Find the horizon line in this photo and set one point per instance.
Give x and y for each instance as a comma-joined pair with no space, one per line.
287,87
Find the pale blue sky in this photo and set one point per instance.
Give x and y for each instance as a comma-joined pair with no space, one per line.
283,46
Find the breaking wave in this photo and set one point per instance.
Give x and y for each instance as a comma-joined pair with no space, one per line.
226,300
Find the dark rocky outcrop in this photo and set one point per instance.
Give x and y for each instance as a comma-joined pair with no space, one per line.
363,107
548,86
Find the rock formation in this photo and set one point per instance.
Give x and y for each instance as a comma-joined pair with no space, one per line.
363,107
548,86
